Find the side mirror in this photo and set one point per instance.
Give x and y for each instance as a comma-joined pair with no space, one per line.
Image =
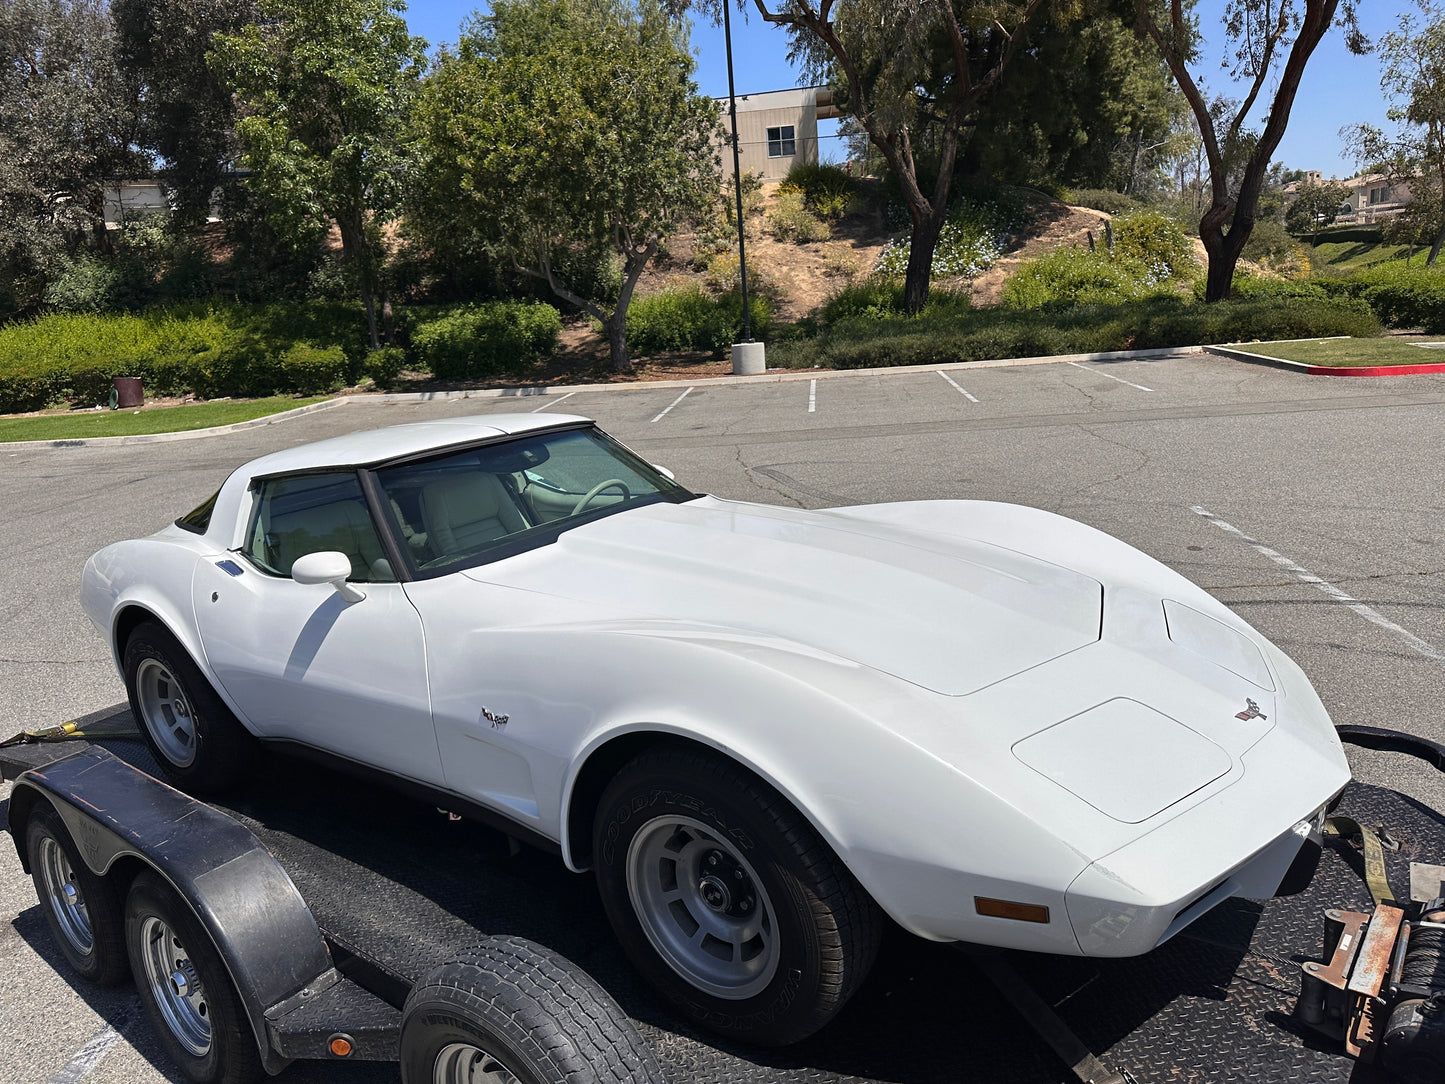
327,566
664,472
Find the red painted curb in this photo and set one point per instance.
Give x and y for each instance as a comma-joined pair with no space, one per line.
1375,370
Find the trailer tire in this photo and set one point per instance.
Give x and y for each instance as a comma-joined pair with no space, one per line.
184,986
508,1009
82,909
196,739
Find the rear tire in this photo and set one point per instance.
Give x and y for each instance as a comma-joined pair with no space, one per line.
185,988
727,900
508,1011
82,909
197,741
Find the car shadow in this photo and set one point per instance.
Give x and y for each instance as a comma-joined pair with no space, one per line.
402,884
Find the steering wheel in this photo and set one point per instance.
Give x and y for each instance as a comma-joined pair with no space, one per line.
611,483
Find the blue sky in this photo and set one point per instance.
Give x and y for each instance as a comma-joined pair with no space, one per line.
1338,88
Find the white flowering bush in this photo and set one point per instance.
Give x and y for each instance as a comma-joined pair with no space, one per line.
971,240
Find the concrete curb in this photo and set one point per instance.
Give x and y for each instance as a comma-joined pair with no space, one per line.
1325,370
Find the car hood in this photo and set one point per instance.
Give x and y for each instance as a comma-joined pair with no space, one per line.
950,614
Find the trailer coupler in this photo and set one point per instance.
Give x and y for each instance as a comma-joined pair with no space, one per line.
1381,988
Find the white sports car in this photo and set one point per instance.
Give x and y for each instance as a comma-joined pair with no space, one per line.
763,728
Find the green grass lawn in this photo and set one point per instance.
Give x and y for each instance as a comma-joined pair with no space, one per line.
1343,257
87,425
1393,350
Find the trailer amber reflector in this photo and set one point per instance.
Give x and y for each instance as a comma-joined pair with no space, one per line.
1020,912
340,1045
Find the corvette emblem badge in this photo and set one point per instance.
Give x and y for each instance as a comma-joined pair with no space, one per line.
496,718
1251,711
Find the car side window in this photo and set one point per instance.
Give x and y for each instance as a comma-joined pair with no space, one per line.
311,513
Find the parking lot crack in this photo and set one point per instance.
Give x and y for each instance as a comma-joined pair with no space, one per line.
755,476
1143,459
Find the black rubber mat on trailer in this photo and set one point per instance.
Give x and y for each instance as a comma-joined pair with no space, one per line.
402,887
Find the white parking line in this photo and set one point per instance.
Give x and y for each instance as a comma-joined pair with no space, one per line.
672,404
86,1058
552,402
956,388
812,395
1304,575
1111,376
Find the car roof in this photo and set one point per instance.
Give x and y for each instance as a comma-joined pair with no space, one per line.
398,441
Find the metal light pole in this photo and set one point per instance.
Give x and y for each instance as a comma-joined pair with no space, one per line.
748,356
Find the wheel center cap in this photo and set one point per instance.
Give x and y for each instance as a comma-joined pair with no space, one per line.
179,706
714,893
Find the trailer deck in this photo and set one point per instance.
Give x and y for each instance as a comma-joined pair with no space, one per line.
396,886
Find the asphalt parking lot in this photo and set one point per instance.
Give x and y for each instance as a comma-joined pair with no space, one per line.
1314,506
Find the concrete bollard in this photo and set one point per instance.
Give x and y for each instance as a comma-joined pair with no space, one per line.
748,358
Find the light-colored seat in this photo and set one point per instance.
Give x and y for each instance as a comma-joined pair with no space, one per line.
463,512
341,525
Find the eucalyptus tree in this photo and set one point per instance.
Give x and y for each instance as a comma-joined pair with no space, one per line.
566,133
1413,79
1271,42
910,71
324,89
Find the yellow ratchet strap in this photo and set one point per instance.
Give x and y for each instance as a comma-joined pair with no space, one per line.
1367,842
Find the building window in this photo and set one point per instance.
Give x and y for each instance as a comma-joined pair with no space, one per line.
780,142
1379,195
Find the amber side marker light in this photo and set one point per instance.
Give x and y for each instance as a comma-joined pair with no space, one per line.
340,1045
1020,912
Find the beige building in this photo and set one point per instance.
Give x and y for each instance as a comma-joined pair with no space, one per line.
777,128
1373,197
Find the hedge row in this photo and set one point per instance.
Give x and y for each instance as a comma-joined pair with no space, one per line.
208,350
687,318
482,340
1004,333
1402,295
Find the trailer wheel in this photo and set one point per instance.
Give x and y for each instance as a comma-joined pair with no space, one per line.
184,986
508,1011
83,910
194,737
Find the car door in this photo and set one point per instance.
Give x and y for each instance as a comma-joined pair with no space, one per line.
300,661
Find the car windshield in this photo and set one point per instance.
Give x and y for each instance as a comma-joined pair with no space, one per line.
487,502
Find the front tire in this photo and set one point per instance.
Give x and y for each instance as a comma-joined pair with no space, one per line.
510,1012
82,909
185,988
726,899
194,737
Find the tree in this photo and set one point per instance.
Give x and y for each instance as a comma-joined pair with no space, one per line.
186,114
564,134
911,72
1315,206
1271,38
326,87
65,126
1414,82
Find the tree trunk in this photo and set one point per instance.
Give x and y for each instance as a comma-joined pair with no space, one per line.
1223,249
920,260
1435,247
356,250
616,329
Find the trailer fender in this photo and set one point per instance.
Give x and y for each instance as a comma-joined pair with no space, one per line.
255,917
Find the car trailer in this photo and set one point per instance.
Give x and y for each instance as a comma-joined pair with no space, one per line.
203,904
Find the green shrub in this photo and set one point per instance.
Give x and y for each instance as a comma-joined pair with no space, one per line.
970,241
1257,286
208,350
790,220
686,318
826,189
1158,321
1156,241
880,297
384,364
1404,296
474,341
1073,276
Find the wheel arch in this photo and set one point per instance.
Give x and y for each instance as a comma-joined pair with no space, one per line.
604,761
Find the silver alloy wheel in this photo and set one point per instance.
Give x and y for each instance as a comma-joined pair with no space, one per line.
463,1063
65,900
166,712
702,907
175,986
